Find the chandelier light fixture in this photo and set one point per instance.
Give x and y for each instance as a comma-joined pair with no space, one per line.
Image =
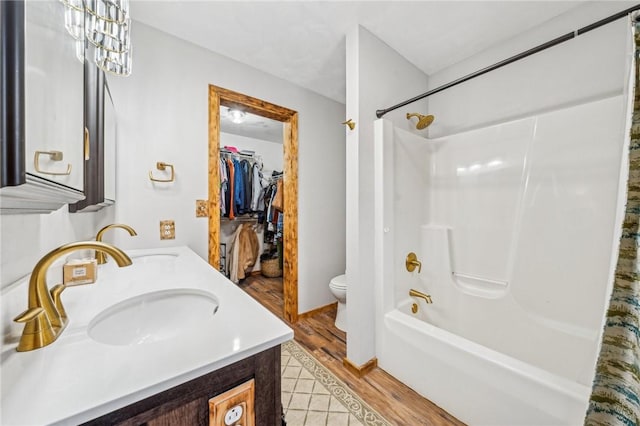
106,25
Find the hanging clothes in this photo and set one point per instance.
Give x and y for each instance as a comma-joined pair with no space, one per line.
224,182
278,199
244,252
256,188
238,188
242,192
269,194
247,187
229,194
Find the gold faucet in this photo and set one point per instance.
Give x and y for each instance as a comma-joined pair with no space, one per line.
100,257
45,317
421,295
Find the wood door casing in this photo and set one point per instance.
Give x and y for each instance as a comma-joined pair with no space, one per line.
219,96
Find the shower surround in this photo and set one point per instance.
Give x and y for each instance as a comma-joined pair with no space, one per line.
515,225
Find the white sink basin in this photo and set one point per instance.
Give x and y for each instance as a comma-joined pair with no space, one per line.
154,258
155,316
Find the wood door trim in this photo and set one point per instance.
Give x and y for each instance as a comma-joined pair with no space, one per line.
220,96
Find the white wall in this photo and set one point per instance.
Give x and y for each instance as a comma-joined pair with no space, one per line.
585,68
25,238
163,116
377,77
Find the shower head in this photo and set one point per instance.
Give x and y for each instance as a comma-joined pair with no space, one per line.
423,120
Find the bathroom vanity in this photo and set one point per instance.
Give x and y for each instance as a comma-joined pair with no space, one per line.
149,343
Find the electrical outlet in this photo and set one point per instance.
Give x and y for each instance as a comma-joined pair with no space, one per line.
233,415
167,230
234,407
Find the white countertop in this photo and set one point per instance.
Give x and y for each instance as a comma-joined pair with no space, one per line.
76,379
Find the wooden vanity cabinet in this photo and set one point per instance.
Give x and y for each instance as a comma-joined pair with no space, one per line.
188,404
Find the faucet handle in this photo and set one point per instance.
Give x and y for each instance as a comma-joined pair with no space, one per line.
29,315
56,292
38,331
412,261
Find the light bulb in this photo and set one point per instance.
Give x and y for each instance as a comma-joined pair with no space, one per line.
236,115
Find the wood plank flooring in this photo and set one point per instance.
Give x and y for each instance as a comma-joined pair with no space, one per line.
318,335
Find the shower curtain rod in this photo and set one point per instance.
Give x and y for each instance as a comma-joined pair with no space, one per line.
522,55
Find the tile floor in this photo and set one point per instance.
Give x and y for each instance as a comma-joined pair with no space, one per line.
306,401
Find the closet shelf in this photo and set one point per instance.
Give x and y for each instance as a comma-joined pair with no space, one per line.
239,219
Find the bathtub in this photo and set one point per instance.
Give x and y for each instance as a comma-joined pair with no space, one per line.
478,385
516,237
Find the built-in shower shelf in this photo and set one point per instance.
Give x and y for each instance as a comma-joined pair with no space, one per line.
480,286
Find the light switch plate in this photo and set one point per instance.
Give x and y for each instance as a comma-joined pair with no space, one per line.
202,208
239,399
167,230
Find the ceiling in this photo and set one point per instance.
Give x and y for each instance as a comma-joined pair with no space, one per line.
304,41
252,126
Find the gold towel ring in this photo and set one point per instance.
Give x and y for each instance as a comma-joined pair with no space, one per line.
162,166
53,156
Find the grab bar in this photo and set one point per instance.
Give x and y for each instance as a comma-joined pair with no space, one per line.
421,295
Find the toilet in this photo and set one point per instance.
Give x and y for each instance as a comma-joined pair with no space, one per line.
338,286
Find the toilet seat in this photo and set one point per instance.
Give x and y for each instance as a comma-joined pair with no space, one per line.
338,286
339,282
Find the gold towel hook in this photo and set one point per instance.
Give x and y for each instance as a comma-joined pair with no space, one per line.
163,166
53,156
350,123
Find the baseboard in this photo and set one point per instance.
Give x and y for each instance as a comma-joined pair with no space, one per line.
317,310
360,370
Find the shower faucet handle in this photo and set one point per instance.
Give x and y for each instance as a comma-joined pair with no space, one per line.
412,261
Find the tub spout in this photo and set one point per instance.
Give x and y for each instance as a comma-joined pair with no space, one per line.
421,295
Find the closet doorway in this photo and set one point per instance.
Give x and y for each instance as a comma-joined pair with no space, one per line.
218,97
